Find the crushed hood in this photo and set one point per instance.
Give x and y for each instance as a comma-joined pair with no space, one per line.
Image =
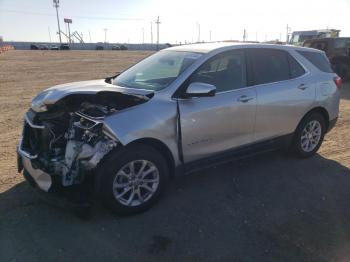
52,95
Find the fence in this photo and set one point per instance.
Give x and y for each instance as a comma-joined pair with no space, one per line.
86,46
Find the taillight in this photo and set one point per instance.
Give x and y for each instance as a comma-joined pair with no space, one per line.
338,81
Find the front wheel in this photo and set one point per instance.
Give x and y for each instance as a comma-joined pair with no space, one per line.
309,135
132,179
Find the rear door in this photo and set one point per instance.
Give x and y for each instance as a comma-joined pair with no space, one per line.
211,125
284,94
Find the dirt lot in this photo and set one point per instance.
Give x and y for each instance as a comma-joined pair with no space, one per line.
268,208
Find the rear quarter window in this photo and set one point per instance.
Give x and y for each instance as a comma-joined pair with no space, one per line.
319,60
296,69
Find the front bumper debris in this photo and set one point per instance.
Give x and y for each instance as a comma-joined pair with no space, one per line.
41,179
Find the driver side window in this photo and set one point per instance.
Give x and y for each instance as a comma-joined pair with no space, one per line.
226,71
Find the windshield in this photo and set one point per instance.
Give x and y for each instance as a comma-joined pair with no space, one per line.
157,71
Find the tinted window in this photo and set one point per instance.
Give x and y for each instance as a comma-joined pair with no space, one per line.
317,59
296,69
341,42
226,71
269,65
319,45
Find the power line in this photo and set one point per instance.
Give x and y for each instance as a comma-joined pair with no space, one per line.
75,16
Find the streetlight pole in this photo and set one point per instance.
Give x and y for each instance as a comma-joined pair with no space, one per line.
157,22
199,32
105,37
56,4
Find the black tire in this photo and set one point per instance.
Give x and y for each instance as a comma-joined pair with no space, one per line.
114,162
296,146
342,70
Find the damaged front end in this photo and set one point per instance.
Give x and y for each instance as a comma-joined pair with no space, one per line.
60,147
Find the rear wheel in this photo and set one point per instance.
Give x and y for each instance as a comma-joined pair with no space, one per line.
132,179
309,135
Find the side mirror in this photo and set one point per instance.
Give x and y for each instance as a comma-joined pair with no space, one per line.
198,89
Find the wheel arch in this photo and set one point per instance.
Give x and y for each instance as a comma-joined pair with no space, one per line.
321,110
160,147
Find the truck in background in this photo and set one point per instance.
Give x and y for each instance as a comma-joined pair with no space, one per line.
298,37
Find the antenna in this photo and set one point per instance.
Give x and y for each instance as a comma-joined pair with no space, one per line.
157,22
56,4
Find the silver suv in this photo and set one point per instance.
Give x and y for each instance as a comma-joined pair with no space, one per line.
180,109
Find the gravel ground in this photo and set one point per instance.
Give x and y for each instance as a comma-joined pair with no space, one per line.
267,208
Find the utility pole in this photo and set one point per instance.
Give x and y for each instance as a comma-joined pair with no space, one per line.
244,35
49,35
288,32
90,36
199,32
143,35
70,40
105,29
151,32
157,22
56,4
210,36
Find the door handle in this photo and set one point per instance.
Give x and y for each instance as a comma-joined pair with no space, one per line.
244,98
302,86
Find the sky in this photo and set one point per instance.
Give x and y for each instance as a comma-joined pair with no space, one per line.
129,21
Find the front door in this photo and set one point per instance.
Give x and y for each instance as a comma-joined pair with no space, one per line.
212,125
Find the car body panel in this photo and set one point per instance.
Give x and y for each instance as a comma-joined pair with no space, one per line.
58,92
156,119
211,125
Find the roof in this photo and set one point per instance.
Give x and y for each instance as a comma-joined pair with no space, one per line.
208,47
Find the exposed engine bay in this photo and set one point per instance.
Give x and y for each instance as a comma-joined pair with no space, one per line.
69,140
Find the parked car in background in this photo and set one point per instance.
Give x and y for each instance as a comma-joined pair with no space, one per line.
99,47
64,47
116,47
337,50
43,47
182,108
54,47
34,47
123,47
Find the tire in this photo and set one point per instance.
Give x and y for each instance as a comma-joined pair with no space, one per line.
342,70
313,121
117,182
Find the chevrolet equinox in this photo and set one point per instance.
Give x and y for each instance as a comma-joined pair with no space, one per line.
179,109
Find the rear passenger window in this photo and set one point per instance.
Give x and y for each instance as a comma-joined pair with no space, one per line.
269,65
296,69
317,59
